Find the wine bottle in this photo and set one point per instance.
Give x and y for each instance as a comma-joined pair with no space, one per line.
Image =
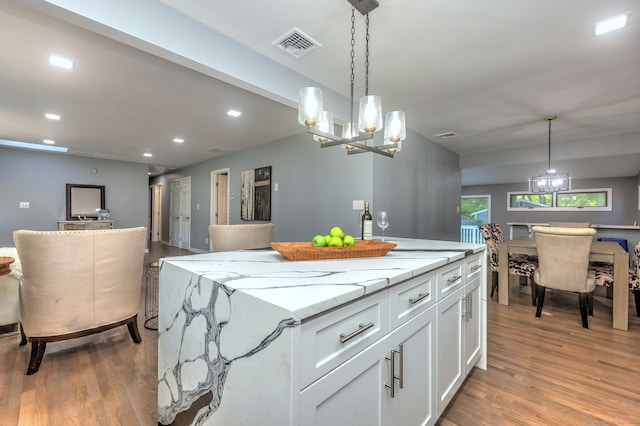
367,223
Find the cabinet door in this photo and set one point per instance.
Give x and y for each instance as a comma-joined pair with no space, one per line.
472,330
354,394
450,372
414,403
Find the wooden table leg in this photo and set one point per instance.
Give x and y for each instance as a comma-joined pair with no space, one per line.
621,291
503,274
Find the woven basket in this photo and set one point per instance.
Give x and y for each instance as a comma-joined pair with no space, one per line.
5,261
306,251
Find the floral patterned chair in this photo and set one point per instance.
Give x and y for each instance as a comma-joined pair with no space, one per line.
519,264
604,275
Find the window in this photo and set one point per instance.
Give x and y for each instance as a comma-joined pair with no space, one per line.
582,199
474,210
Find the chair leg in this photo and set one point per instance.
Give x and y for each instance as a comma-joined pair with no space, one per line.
636,295
583,308
590,303
540,293
132,325
523,279
494,281
38,347
534,292
23,337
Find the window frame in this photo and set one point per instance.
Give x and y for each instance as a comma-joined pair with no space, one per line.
553,207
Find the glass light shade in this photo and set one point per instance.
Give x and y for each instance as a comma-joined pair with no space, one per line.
395,129
324,125
370,114
310,106
550,182
349,131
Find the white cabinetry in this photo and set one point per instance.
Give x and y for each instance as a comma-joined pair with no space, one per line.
460,335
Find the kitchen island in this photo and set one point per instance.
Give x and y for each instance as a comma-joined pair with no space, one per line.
250,338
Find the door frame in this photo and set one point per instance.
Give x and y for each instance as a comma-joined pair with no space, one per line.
155,212
214,196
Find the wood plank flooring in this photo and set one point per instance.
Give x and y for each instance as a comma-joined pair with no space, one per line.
547,371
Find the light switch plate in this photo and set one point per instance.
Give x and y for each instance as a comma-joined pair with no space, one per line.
358,204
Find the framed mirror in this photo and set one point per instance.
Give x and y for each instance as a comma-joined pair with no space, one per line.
84,201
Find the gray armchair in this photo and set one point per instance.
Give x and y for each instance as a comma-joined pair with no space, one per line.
563,264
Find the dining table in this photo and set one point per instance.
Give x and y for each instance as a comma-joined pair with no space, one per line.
601,251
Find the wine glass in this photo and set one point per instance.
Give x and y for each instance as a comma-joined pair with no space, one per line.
383,221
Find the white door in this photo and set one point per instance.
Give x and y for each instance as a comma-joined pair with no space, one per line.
473,323
353,394
180,208
449,348
415,403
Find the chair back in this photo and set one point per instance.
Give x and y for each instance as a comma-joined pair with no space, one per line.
492,233
78,280
636,257
570,224
238,237
563,258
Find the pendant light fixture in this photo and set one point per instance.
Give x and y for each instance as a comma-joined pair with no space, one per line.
551,181
354,134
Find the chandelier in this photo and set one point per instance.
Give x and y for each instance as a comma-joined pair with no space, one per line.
355,135
551,181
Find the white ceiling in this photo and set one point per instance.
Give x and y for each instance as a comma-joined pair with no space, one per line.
489,71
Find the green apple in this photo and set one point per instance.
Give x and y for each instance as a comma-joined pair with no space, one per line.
327,238
349,241
336,231
335,242
319,241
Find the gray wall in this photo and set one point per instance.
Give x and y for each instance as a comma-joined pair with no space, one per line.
420,188
41,178
624,210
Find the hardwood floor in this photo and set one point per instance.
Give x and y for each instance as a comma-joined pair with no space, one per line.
546,371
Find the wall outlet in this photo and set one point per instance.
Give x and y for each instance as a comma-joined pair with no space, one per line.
24,204
358,204
275,187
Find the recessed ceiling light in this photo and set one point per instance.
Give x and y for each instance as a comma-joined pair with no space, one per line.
178,140
234,113
611,24
35,146
51,116
147,154
61,62
49,141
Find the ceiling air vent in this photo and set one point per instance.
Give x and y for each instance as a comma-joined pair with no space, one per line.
296,43
447,135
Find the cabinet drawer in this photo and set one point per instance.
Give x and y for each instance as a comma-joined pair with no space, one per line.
450,278
408,299
331,339
473,266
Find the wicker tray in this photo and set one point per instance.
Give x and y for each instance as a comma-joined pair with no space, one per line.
5,261
306,251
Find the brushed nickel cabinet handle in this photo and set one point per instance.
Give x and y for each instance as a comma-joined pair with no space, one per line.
392,373
361,329
470,306
454,278
476,267
401,366
418,298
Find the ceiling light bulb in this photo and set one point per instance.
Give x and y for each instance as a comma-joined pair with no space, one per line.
611,24
49,141
51,116
147,154
178,140
61,62
234,113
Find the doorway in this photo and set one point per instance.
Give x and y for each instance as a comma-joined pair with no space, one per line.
219,198
155,212
180,211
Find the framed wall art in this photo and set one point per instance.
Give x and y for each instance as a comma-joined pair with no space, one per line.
255,194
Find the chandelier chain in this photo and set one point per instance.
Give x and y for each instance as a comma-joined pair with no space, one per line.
353,43
549,160
366,59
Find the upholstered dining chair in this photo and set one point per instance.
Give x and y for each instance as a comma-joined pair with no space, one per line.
238,237
520,264
571,224
563,264
604,275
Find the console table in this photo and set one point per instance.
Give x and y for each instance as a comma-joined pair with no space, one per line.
81,225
